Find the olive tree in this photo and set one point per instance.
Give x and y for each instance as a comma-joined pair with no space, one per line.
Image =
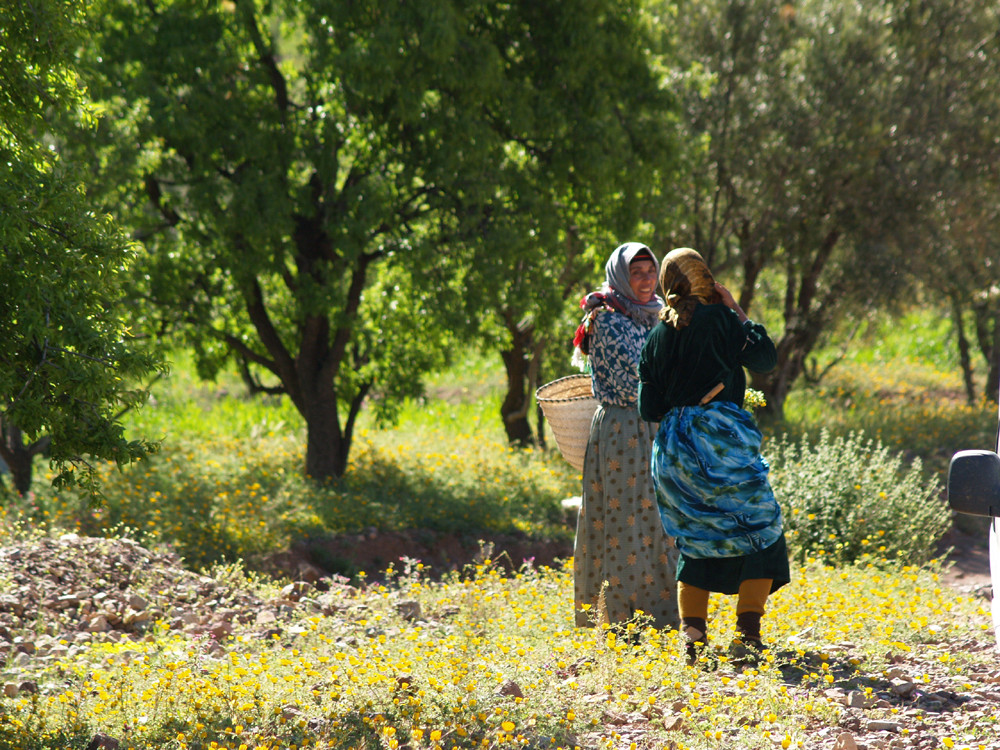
962,271
828,129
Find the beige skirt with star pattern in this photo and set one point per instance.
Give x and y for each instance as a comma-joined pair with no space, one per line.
623,561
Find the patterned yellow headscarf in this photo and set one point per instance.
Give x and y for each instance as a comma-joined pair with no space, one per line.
685,282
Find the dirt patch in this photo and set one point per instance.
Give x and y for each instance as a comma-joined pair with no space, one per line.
372,551
60,594
967,558
965,549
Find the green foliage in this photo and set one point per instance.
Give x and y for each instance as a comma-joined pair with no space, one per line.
37,42
849,497
68,363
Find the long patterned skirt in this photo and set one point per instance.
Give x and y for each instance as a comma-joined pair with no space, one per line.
623,561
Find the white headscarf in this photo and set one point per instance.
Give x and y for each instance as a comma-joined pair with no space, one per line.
617,280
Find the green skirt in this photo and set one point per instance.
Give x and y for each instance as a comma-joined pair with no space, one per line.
723,575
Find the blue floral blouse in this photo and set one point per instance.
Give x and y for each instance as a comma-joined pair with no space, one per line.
615,344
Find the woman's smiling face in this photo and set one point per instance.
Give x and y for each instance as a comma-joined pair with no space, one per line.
642,278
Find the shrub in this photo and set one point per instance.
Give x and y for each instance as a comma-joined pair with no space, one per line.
850,497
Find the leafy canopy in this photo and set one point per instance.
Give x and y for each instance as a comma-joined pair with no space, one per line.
332,177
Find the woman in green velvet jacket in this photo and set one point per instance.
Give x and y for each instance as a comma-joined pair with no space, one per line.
710,479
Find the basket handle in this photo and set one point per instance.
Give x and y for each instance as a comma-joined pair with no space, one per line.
711,394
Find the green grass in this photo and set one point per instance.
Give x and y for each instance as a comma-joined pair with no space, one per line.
227,484
900,384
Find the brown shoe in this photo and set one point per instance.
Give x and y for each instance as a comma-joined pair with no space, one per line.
746,650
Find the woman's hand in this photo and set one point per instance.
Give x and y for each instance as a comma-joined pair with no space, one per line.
729,301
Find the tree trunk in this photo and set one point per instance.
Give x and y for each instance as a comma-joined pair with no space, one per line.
328,440
540,440
18,456
777,384
523,361
310,375
20,465
963,349
755,252
514,409
806,314
327,448
988,335
993,378
309,380
793,348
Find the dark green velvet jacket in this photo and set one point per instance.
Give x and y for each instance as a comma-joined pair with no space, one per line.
677,368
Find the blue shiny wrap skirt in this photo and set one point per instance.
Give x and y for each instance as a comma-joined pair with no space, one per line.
711,483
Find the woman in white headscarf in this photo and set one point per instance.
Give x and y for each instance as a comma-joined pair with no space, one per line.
624,563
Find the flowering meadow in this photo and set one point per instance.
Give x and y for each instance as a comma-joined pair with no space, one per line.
909,406
491,660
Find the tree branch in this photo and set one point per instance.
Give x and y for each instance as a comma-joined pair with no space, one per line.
253,385
354,409
351,304
265,56
282,364
155,195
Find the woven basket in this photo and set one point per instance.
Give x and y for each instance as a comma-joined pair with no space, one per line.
568,405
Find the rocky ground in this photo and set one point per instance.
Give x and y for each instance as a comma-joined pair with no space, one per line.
57,595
